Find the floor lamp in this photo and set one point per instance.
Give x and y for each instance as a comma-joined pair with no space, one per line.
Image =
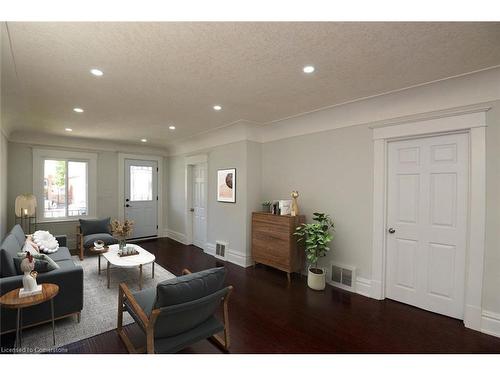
25,208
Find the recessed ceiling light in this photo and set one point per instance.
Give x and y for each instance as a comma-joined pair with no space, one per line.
217,107
96,72
79,110
171,127
308,69
68,129
144,140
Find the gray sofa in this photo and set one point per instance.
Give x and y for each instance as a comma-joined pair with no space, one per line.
69,278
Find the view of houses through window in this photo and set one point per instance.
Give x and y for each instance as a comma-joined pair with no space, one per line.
65,188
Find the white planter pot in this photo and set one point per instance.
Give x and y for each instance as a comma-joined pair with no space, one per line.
316,281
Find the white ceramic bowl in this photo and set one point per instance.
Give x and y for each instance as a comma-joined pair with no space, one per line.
99,244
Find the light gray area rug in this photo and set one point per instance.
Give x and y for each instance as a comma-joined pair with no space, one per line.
100,305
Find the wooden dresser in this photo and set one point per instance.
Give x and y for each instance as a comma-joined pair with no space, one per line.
274,244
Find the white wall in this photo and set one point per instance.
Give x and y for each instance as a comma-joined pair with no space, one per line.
333,173
3,184
226,221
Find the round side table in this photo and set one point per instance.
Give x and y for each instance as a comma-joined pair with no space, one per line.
11,300
99,252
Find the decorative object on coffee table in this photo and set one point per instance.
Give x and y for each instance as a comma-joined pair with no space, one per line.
121,231
295,206
11,300
99,244
316,237
137,260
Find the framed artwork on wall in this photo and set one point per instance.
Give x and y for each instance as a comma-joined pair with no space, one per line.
226,185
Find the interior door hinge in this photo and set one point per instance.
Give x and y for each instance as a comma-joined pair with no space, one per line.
156,169
157,227
157,197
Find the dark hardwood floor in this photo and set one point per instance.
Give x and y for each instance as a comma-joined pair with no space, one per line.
268,315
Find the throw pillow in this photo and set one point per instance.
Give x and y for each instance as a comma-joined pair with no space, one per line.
30,246
46,242
51,264
41,266
90,226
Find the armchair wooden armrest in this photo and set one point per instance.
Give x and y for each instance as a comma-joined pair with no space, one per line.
79,241
147,323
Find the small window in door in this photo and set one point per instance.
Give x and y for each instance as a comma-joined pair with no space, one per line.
141,183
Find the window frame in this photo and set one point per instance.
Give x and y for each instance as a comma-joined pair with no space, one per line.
39,157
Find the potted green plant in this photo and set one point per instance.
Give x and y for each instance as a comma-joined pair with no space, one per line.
266,206
316,237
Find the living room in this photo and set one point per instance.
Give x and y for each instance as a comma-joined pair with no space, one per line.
249,187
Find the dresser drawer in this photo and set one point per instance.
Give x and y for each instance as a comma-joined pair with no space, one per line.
273,242
272,249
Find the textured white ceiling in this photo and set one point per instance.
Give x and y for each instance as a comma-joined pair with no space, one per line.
158,74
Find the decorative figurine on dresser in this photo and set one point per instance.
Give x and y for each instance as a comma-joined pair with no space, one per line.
273,243
295,206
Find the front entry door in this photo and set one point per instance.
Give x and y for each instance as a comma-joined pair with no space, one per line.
141,196
427,222
199,205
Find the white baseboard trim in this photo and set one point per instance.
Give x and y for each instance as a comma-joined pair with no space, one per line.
490,323
179,237
363,286
231,256
473,317
238,258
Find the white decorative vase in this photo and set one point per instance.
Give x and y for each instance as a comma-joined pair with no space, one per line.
316,281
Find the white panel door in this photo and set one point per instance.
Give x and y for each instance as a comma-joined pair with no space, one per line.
141,196
427,222
199,210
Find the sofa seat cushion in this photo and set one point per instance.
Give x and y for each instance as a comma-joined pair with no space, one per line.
8,251
92,226
88,240
189,287
18,232
173,344
62,254
146,299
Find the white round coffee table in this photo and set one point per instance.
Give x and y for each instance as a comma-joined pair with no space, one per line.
130,261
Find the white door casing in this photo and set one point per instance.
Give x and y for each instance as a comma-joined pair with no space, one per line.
141,196
427,195
199,203
190,165
472,120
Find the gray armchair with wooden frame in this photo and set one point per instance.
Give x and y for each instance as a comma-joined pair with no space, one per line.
91,230
178,312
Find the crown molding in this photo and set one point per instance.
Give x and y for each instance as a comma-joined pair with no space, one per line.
241,130
43,139
468,93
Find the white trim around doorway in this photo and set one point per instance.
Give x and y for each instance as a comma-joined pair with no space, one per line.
474,123
121,185
189,162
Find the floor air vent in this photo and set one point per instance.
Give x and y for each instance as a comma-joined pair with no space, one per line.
343,276
220,249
